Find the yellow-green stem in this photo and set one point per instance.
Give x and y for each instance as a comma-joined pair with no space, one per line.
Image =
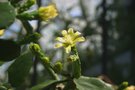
76,65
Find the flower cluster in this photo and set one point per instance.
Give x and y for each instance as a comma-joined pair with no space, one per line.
69,39
1,32
48,12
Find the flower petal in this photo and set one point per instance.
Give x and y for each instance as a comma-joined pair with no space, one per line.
60,39
58,45
77,33
79,39
64,32
68,49
70,31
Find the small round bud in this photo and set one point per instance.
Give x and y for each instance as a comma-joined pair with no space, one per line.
58,67
34,48
45,60
125,83
123,86
72,58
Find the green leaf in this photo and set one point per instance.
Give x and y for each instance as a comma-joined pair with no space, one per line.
43,85
3,88
7,14
9,50
18,71
90,83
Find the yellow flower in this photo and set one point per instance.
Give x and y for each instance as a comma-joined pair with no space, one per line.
46,13
130,88
69,39
1,32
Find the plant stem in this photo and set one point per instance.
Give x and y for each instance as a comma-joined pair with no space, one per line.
46,62
34,77
104,26
36,50
76,64
27,26
34,74
51,72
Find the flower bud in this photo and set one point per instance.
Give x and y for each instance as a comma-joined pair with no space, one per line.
45,60
123,85
46,13
72,58
35,48
58,67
